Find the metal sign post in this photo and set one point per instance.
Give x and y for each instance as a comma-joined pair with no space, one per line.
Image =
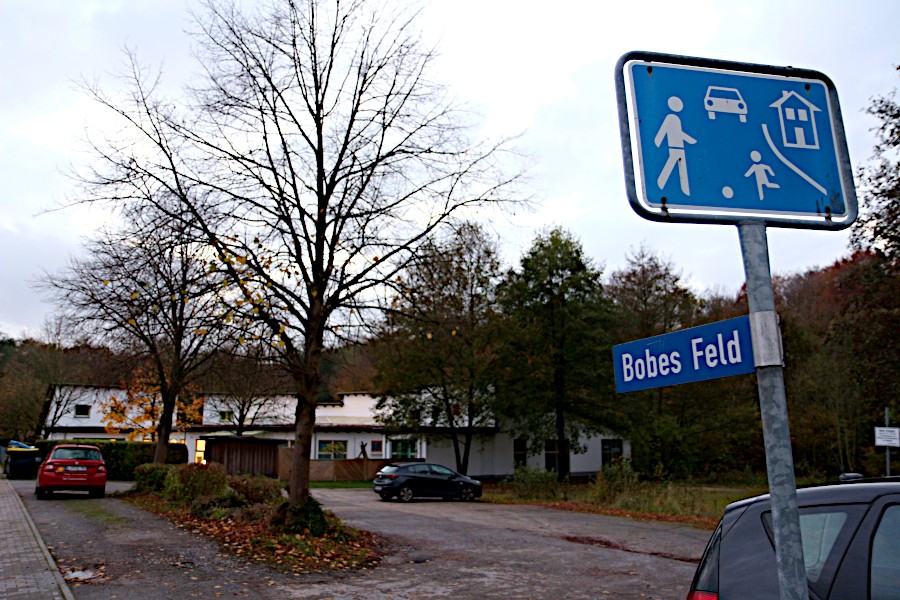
773,410
887,436
708,141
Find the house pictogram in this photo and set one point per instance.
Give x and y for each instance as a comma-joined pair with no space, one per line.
798,122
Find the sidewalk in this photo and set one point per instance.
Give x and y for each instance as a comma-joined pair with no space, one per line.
27,571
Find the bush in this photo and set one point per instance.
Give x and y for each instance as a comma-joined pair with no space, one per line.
122,457
533,483
302,518
614,481
151,477
257,489
217,507
256,513
191,481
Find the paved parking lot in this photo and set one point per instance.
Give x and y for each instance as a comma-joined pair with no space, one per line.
434,549
478,550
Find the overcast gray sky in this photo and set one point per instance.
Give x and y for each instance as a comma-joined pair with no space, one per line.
544,69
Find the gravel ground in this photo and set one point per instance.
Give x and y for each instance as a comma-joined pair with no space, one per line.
110,549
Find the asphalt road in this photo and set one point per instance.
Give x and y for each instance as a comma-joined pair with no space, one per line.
434,549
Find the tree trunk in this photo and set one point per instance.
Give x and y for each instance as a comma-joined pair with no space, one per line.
305,372
164,430
305,420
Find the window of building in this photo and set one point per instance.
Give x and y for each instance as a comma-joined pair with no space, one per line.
82,411
376,448
554,459
226,416
200,451
610,451
520,452
551,455
404,449
332,449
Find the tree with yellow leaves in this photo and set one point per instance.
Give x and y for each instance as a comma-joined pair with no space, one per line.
138,410
146,291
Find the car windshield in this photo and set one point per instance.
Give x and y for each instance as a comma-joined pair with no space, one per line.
76,454
725,94
389,469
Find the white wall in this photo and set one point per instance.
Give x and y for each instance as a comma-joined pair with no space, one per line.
85,396
494,456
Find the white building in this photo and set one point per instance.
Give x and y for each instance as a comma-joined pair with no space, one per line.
346,428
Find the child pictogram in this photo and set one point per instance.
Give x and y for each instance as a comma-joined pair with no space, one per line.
761,172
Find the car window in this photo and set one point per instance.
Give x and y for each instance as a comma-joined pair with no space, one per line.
825,532
885,569
706,579
439,470
76,454
419,468
818,533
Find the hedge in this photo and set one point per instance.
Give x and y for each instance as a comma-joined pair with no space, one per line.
122,457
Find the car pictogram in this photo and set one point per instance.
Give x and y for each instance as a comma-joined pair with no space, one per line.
725,100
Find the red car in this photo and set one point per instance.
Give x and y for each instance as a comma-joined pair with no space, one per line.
72,467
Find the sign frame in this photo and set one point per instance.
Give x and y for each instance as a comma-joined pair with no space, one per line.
887,436
629,132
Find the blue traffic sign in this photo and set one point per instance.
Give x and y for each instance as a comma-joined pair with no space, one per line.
711,351
712,141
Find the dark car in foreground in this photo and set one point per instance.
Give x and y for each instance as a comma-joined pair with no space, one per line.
72,467
851,546
406,481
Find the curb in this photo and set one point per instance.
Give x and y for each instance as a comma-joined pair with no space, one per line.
63,586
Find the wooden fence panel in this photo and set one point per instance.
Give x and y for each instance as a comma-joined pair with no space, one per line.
354,469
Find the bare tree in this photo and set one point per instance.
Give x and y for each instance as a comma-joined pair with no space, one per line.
315,158
53,364
147,288
246,387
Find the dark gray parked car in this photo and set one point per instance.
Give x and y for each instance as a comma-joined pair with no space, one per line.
851,546
411,480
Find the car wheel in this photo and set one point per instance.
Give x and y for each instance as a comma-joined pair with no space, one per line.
384,497
40,494
405,494
467,494
98,493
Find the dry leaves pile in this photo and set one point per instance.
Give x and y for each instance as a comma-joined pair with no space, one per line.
342,549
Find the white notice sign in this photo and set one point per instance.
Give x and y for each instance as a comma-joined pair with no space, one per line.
887,436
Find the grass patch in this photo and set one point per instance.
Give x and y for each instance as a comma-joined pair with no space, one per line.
618,491
340,485
95,511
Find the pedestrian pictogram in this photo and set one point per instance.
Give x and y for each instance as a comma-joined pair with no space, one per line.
675,138
710,142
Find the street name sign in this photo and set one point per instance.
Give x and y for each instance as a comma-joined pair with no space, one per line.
710,141
711,351
887,436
